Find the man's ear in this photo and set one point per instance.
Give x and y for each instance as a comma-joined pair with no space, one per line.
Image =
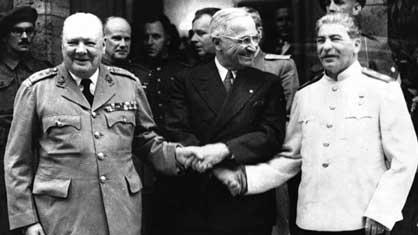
356,9
357,45
216,42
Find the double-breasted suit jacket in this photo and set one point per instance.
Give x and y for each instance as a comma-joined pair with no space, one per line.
84,182
250,120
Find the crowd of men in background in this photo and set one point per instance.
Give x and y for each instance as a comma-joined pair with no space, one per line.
72,146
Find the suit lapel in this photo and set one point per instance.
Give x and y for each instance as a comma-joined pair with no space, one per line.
104,91
70,89
210,87
246,85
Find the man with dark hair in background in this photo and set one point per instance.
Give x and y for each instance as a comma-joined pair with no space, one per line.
284,25
17,31
160,45
200,38
160,57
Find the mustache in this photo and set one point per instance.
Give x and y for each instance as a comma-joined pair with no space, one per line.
24,41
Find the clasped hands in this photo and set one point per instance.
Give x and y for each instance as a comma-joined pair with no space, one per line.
208,157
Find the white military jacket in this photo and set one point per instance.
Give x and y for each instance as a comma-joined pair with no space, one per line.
354,142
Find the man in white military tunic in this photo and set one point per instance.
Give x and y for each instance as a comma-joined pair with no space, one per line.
85,181
351,136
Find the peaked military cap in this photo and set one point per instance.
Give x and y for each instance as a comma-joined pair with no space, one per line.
16,15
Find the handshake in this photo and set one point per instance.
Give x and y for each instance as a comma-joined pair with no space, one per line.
212,157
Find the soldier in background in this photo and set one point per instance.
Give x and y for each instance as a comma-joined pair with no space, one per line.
117,37
160,58
280,65
283,23
200,38
17,31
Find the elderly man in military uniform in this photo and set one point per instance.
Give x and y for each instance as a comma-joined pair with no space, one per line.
79,124
17,30
351,136
375,52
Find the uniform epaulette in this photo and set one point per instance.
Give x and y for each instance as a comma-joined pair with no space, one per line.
376,75
315,79
276,57
41,75
122,72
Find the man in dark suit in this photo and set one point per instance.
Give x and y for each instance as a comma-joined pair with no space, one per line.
237,115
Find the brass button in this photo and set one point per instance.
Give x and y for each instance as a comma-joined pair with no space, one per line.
97,134
335,88
158,68
158,80
124,119
159,92
325,165
160,105
102,179
332,107
100,156
325,144
329,125
93,114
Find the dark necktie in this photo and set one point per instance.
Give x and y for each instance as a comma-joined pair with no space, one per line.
228,81
86,90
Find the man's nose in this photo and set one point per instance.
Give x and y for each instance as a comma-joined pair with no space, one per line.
123,43
326,45
252,47
81,48
332,7
193,38
24,35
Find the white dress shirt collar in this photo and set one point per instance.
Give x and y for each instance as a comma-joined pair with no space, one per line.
222,70
93,79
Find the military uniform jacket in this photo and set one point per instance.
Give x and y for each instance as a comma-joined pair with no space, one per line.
283,67
85,182
340,134
10,79
250,120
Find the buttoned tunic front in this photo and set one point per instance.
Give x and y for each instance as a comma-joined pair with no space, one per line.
85,182
354,142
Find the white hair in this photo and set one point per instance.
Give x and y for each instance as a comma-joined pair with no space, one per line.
219,25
